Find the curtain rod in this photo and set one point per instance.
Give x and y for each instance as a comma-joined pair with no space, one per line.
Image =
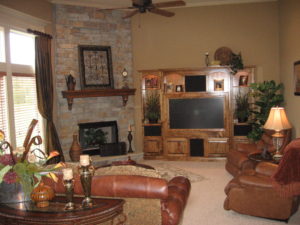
39,33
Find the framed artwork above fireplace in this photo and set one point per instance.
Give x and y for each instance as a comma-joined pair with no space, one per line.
95,67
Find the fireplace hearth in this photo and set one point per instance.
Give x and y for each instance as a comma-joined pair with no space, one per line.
101,138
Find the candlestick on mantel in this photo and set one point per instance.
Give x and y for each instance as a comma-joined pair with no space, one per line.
84,160
67,174
129,127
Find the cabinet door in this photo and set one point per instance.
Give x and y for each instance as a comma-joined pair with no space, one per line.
176,146
217,147
152,146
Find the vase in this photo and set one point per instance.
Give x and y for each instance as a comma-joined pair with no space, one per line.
75,150
42,194
12,193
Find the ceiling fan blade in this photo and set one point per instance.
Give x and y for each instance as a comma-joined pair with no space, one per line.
130,14
116,8
169,4
161,12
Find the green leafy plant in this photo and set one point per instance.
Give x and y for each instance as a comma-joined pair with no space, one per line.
236,62
152,110
242,110
267,95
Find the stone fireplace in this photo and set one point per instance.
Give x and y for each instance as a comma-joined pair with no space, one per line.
75,25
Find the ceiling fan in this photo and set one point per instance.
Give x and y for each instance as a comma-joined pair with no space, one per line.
142,6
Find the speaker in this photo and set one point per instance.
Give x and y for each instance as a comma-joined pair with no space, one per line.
195,83
152,130
196,147
242,130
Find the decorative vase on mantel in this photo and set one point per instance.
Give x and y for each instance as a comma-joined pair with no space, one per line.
75,150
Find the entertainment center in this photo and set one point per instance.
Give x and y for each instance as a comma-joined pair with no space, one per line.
196,111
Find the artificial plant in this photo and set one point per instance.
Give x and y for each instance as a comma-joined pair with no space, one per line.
266,95
242,110
152,109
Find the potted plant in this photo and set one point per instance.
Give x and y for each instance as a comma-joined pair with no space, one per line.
242,110
267,95
21,173
152,109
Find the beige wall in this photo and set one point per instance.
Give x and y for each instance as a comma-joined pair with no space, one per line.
289,53
181,41
38,8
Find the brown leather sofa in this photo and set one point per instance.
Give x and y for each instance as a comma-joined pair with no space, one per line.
237,159
252,193
146,197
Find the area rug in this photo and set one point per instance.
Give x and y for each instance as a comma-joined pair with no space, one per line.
168,171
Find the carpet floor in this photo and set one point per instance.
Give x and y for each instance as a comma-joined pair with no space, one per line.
205,204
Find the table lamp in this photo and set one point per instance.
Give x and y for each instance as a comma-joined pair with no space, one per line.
278,122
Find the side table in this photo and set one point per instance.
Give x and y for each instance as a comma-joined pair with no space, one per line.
257,157
26,213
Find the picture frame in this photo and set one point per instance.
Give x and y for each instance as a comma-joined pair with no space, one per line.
95,67
152,82
219,85
243,81
179,88
297,77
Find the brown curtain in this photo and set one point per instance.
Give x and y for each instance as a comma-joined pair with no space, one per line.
44,85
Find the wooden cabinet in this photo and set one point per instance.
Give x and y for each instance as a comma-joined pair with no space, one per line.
152,146
176,146
211,130
217,147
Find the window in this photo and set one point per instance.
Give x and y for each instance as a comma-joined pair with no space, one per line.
18,99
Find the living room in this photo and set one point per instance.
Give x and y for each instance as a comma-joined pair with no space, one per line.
265,32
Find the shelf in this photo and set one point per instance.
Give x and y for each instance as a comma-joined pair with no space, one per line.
70,95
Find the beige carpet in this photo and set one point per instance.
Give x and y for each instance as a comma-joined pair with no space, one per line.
205,204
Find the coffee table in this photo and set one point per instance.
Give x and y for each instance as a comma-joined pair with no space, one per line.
27,213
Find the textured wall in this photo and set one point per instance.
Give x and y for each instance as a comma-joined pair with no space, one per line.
86,26
289,53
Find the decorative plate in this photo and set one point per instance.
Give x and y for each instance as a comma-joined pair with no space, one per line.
223,55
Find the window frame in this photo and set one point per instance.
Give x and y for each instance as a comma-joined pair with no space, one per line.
13,20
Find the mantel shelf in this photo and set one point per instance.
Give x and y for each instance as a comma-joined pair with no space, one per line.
70,95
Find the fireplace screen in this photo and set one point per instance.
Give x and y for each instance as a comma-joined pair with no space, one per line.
93,135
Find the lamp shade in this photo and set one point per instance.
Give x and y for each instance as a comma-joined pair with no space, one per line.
277,120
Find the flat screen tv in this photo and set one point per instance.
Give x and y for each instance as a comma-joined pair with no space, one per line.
196,113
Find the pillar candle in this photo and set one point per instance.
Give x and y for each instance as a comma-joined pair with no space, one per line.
84,160
68,173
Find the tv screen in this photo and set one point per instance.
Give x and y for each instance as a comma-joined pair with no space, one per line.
196,113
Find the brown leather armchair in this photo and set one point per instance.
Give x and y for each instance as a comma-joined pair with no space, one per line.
253,193
237,159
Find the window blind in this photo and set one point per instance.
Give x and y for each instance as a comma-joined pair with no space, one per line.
3,105
25,105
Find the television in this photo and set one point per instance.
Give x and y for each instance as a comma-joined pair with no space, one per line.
196,113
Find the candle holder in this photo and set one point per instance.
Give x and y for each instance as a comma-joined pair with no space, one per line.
86,173
129,137
69,185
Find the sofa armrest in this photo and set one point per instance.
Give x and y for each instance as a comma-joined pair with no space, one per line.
266,168
255,181
172,207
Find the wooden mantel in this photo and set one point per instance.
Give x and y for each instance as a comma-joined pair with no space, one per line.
70,95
